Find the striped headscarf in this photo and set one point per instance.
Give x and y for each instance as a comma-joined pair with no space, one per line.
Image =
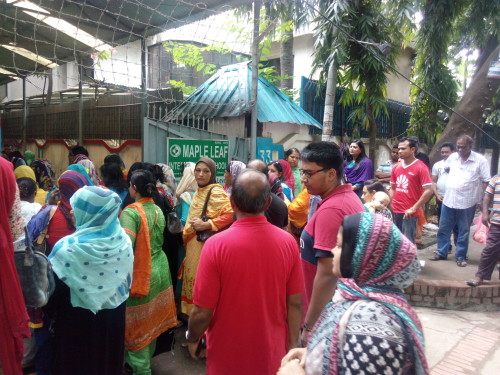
87,163
82,170
96,261
69,183
377,261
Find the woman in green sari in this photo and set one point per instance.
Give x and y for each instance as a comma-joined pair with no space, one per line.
151,306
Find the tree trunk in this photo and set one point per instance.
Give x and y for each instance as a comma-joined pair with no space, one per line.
331,87
373,134
286,59
478,96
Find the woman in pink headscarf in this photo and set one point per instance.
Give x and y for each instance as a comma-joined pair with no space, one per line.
13,316
283,171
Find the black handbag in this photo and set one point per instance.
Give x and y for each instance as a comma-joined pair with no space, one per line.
174,224
35,275
204,235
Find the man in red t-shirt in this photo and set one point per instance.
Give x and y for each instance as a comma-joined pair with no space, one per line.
411,187
248,288
321,173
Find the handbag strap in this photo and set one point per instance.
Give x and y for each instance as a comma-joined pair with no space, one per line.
43,233
205,206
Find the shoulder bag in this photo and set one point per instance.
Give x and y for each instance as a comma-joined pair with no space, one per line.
35,275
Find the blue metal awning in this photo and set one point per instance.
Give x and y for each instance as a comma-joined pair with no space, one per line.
228,92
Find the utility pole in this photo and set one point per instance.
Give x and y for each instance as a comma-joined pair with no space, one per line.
255,79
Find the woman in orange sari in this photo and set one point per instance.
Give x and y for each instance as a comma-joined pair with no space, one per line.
221,215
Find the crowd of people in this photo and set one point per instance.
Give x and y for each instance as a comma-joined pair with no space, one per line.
306,255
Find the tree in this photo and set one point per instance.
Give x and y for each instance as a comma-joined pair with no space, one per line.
431,68
476,26
348,33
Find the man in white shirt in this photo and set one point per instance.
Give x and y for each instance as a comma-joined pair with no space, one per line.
440,175
467,179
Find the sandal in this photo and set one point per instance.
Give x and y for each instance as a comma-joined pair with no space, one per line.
475,282
461,263
437,257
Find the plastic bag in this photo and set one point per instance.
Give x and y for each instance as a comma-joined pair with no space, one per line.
481,233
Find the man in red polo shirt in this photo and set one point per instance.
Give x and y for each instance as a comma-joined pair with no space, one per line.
322,172
411,187
248,288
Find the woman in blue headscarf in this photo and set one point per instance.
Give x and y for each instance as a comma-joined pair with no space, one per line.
93,269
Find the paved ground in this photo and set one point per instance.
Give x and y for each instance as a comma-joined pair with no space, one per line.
460,342
457,343
448,269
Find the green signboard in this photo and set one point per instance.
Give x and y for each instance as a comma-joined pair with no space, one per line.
180,151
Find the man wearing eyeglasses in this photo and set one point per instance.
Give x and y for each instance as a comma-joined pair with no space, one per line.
322,174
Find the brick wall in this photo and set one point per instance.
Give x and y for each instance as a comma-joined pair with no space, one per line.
454,295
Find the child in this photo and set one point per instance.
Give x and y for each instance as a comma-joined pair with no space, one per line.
379,205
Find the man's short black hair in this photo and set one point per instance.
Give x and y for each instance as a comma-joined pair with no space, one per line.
79,150
326,155
450,145
251,192
412,141
258,165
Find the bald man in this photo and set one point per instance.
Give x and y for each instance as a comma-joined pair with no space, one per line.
277,212
248,288
468,177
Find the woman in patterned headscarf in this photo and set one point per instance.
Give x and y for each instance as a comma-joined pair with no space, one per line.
87,163
61,224
233,169
45,176
369,327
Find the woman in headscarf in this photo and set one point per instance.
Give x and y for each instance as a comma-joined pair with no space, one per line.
233,169
282,170
45,176
221,215
29,157
358,167
167,184
87,163
25,171
61,224
93,273
185,191
369,327
82,170
151,306
184,194
275,184
13,317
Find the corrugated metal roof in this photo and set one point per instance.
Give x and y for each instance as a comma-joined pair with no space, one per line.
228,92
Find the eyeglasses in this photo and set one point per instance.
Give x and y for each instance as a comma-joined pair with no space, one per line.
311,172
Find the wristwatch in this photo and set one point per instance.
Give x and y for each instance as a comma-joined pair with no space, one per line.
189,340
